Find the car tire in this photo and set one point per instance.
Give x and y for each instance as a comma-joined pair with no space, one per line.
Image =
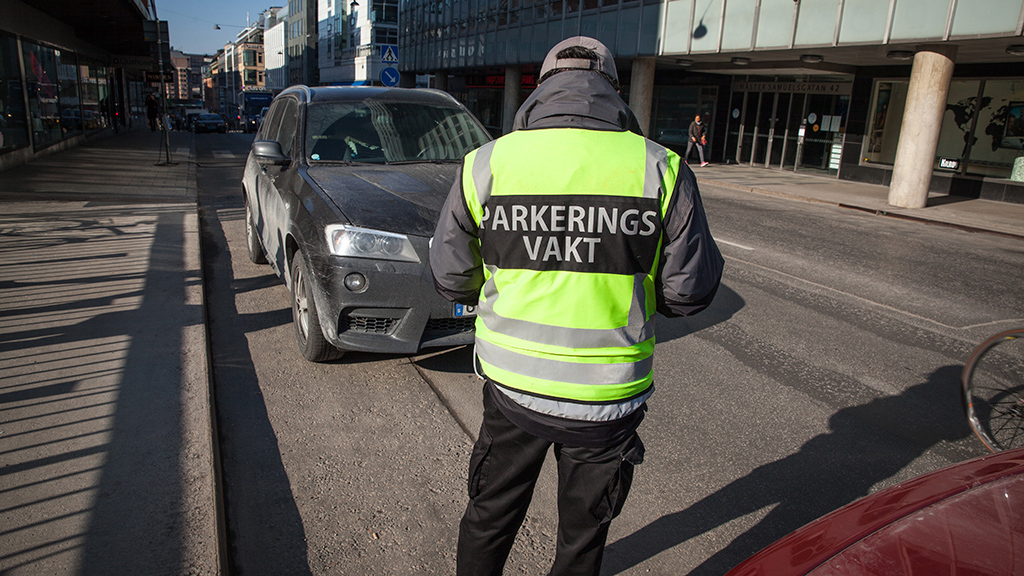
308,333
252,238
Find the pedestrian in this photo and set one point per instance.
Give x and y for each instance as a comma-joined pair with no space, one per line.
152,111
698,138
567,234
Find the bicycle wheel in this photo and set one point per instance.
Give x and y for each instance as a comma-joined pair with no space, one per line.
993,390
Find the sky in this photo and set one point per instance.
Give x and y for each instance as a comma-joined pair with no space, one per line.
190,22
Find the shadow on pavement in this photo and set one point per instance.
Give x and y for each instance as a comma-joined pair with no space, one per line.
828,471
265,531
93,445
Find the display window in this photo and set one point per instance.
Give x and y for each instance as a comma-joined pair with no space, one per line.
43,94
70,102
13,123
981,128
95,97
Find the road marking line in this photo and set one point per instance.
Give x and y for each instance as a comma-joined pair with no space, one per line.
223,154
740,246
181,151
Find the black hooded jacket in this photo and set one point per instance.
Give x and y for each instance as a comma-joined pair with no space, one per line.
691,265
690,269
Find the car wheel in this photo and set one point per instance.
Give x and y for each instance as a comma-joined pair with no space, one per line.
253,243
312,344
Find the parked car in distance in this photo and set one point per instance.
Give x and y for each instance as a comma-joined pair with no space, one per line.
343,188
262,116
210,122
967,518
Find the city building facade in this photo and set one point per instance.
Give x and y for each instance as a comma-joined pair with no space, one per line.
357,40
275,60
301,42
69,72
825,87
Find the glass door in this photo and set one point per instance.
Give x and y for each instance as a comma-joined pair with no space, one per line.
732,132
748,126
763,130
777,132
824,135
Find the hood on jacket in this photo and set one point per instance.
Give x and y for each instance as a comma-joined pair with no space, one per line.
576,99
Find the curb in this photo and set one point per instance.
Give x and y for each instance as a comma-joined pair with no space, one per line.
223,561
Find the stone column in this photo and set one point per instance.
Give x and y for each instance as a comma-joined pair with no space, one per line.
513,79
441,80
922,121
641,91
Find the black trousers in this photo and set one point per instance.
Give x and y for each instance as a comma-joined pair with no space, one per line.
592,486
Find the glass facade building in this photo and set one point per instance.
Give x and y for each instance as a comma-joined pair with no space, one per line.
64,98
68,73
810,86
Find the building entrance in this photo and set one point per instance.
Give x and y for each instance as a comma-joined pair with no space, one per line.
791,125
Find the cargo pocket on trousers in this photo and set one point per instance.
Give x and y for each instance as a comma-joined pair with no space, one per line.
478,464
623,481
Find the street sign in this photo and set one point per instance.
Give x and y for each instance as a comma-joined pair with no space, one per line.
389,76
389,54
133,62
155,76
150,32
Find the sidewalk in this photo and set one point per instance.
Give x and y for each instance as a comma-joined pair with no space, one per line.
964,213
106,462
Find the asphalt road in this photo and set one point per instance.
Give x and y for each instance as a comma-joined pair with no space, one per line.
826,369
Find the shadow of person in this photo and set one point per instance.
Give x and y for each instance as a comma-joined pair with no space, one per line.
867,444
725,305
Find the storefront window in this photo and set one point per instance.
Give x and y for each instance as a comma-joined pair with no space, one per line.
984,134
95,91
41,85
1000,132
13,127
70,109
889,99
961,106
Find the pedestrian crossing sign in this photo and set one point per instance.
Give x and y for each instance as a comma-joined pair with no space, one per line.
389,54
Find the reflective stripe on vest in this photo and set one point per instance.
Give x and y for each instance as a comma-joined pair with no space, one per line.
564,225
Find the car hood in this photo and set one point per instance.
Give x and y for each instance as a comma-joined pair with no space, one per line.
404,198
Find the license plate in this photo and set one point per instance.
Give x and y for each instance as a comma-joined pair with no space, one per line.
461,310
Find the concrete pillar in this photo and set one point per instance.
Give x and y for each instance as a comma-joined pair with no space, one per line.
513,79
922,121
441,80
641,91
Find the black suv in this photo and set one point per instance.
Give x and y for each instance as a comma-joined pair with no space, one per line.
343,188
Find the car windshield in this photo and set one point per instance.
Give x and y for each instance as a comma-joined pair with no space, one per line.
387,132
209,117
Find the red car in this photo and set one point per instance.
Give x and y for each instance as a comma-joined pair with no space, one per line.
966,519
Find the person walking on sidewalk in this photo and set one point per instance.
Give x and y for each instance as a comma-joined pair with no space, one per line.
698,138
152,111
567,234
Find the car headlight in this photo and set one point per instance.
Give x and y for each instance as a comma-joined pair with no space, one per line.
355,242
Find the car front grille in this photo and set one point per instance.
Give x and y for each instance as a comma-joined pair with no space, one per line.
371,325
436,326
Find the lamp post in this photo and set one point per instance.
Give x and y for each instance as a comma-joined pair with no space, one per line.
163,86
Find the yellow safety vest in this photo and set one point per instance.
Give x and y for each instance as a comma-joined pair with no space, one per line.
570,241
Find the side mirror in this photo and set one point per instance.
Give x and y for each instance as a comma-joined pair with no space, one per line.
269,152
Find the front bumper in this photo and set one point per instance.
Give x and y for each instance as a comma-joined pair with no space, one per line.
398,312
